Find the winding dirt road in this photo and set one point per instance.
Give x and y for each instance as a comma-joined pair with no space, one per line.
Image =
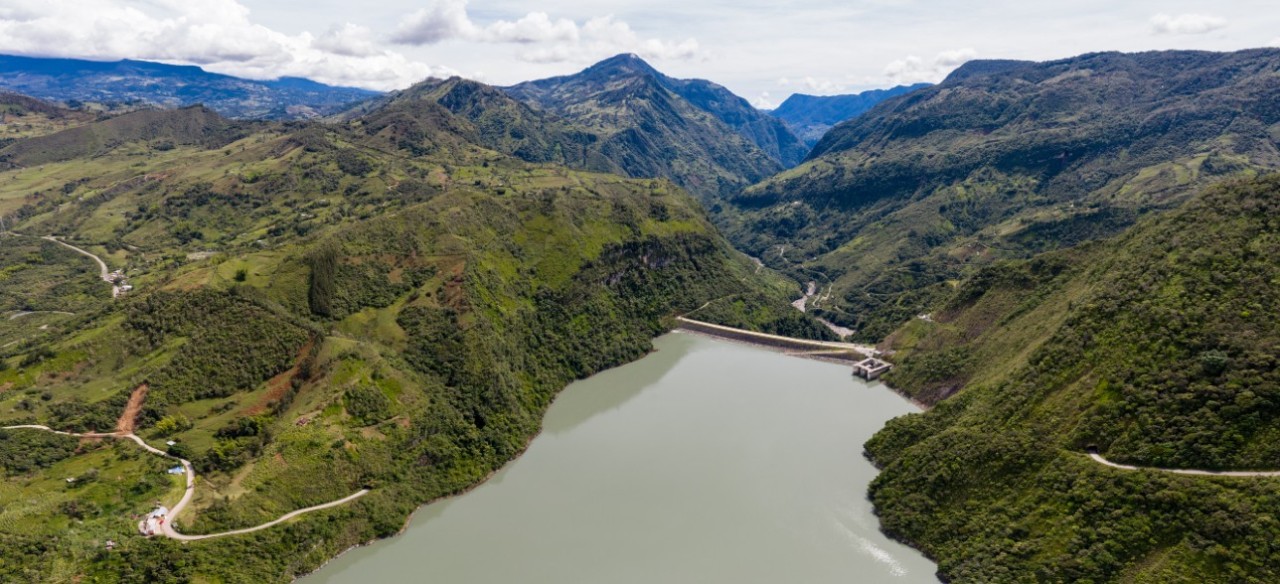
167,528
104,272
1186,471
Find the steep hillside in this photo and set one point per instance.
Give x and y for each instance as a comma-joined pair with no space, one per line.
311,301
172,86
1158,349
694,132
1006,159
811,116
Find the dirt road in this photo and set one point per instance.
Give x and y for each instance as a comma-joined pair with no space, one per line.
1187,471
167,529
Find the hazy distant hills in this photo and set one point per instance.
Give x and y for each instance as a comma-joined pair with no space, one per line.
695,132
157,84
1005,159
811,116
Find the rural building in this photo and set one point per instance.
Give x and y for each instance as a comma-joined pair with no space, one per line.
871,369
152,524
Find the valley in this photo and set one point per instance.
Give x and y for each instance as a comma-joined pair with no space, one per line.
343,307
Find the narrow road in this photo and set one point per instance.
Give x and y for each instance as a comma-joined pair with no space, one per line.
21,314
1187,471
169,532
167,528
105,273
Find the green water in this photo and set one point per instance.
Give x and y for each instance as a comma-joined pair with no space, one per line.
704,462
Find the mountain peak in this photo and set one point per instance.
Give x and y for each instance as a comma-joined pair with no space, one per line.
622,65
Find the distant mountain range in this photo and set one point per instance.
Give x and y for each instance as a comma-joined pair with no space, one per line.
811,116
1004,159
157,84
603,83
618,117
695,132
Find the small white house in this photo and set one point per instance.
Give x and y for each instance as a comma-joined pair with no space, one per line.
155,519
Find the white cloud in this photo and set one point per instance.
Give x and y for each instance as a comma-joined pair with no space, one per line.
815,85
349,40
443,20
913,69
1186,23
1275,42
558,40
216,34
954,58
535,27
764,101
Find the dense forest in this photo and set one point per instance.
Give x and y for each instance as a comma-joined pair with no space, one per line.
1158,349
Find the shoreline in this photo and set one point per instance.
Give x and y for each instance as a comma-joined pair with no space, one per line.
678,329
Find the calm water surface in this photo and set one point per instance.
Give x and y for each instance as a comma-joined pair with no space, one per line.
704,462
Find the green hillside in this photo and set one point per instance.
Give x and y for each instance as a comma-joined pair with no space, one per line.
312,301
1004,160
1158,349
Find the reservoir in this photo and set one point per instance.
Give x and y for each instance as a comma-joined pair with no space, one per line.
705,462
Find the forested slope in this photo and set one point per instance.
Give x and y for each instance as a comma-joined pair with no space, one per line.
1157,348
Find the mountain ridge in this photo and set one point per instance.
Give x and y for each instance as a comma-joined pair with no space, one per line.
1007,159
159,84
623,94
811,116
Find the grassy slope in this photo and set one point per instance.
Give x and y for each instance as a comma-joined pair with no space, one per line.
1158,348
312,302
1004,162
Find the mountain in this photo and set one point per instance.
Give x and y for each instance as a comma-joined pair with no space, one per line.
482,115
1004,160
172,86
313,301
160,129
1156,348
694,132
811,116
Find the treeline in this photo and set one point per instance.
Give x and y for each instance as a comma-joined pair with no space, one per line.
22,451
340,286
232,344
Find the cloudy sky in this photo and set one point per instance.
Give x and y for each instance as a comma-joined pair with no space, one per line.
763,50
